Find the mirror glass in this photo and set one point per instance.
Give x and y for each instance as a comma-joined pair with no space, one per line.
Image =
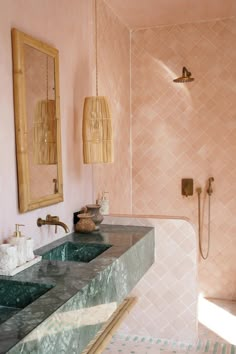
37,122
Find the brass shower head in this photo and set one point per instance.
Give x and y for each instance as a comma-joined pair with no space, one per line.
186,76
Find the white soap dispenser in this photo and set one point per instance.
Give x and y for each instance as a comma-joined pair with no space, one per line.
20,242
105,203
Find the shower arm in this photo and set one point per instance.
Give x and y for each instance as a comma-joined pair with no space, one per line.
185,72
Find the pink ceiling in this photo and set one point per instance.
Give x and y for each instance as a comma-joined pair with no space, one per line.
148,13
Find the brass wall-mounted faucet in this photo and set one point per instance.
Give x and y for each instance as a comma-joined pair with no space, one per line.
53,220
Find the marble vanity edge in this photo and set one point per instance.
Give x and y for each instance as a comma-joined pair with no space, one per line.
63,329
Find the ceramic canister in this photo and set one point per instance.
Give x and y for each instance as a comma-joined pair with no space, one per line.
94,210
20,243
85,223
8,257
29,249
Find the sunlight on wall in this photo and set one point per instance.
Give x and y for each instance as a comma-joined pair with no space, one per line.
217,319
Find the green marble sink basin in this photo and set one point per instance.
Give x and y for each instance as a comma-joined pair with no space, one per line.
14,296
75,252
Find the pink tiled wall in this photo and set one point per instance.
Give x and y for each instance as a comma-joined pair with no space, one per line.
188,130
114,82
168,293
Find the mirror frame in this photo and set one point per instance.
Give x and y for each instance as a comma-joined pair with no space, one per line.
21,131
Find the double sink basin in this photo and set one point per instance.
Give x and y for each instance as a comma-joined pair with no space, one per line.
75,252
15,295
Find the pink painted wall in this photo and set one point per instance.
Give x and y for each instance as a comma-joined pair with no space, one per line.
114,82
71,30
188,130
68,28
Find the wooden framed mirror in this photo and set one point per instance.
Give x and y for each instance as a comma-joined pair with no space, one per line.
37,122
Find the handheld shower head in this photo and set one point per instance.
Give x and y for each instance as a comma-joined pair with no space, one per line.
186,76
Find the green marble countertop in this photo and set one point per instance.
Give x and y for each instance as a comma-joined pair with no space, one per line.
83,295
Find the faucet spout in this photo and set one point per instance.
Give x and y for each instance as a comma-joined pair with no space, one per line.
62,224
53,220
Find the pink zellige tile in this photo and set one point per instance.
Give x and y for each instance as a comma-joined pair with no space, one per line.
193,133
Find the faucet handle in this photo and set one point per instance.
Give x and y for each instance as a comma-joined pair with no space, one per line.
52,218
48,217
55,218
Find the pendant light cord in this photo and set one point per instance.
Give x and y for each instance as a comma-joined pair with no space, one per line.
96,44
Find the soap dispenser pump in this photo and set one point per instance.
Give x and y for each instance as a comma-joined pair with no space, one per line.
17,233
20,242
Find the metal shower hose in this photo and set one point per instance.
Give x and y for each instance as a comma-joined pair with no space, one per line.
199,225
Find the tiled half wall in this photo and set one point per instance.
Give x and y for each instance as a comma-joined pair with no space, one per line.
188,131
167,294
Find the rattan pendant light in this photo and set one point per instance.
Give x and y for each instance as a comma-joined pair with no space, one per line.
97,122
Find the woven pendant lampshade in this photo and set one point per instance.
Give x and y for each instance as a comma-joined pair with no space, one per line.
97,130
97,123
